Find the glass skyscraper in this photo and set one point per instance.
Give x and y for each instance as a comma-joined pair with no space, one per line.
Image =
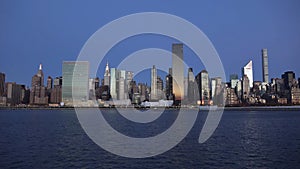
113,82
75,82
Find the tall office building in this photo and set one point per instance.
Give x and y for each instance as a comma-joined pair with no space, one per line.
245,88
202,80
56,91
217,91
2,83
107,75
191,86
160,88
13,93
233,80
129,79
122,87
75,82
178,71
265,65
169,85
97,82
113,82
49,83
38,93
248,70
143,91
153,94
289,79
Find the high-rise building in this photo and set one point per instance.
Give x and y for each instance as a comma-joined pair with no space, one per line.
75,82
233,80
49,83
92,89
153,94
122,87
202,80
107,75
113,82
38,93
248,70
217,91
97,82
2,83
56,92
129,79
169,85
143,91
245,87
191,87
160,88
289,79
13,93
265,63
178,71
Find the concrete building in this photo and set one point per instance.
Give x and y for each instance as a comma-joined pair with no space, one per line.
153,94
169,85
38,93
177,72
2,84
56,92
245,88
265,65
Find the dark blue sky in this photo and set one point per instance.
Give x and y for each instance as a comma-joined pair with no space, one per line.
50,32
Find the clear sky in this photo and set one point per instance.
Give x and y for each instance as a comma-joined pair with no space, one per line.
50,32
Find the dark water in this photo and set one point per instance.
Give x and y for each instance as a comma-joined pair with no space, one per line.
55,139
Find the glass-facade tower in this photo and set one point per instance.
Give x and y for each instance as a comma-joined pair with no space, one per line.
75,81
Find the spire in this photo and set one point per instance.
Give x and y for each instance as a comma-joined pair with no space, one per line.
107,73
40,67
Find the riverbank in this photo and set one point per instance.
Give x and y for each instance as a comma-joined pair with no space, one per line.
249,108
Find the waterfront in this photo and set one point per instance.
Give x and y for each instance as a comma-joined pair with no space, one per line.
243,139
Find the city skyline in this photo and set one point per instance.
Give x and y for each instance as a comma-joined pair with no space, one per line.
42,35
76,87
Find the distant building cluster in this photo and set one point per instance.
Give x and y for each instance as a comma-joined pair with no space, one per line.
118,87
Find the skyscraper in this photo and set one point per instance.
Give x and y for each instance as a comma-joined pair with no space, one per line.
153,94
38,93
204,87
122,87
248,70
113,82
159,88
75,82
178,71
233,80
56,91
169,85
13,93
107,75
289,79
2,83
49,83
245,88
191,86
265,68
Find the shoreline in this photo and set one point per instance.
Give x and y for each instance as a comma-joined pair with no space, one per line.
249,108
